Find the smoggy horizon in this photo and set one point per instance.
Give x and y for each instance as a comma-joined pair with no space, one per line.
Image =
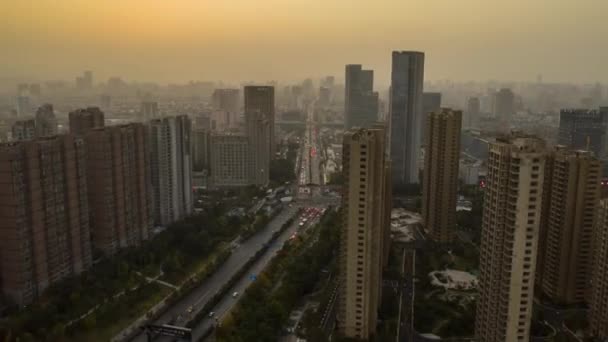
271,40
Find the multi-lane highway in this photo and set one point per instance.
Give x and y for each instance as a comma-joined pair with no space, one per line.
191,304
229,301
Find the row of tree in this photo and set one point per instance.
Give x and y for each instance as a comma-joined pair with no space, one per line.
264,309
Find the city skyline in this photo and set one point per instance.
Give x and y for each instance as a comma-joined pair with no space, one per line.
205,40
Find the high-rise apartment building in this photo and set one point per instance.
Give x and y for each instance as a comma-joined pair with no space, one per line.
259,122
504,105
46,123
364,225
44,214
230,160
148,110
564,262
510,230
171,168
118,170
472,112
583,129
83,120
23,130
431,102
405,111
598,298
440,177
360,100
24,107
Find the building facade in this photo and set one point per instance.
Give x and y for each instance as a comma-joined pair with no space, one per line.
504,105
230,160
565,252
405,112
46,123
431,102
44,215
364,231
148,110
259,122
510,230
598,299
23,130
201,149
118,169
583,129
360,100
171,168
440,176
83,120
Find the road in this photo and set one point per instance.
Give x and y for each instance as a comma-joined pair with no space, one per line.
228,302
199,297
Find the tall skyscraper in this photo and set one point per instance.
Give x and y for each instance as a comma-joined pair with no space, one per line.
504,105
472,112
44,214
431,103
23,130
583,129
405,111
510,229
84,120
573,180
148,110
598,298
360,100
259,122
230,160
171,168
46,123
118,170
440,177
363,238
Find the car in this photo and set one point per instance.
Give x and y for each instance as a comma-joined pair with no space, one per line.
235,294
190,309
211,314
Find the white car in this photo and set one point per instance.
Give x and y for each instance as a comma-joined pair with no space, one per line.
234,295
211,314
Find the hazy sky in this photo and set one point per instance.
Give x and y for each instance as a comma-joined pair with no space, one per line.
180,40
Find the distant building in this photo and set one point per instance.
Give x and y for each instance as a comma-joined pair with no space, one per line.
35,90
230,159
84,120
598,299
46,123
364,231
171,168
44,215
23,130
105,102
472,113
324,96
149,110
259,123
226,100
583,129
85,82
431,103
24,107
405,111
512,211
119,184
440,177
361,102
504,106
201,147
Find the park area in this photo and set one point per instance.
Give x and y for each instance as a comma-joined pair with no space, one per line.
446,280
